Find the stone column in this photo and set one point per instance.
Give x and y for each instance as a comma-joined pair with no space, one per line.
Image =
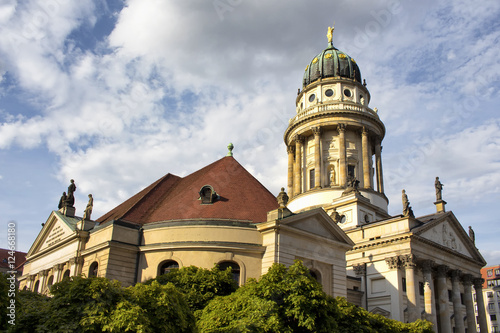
342,156
442,294
394,277
380,175
291,152
469,304
457,302
43,280
58,271
366,159
30,282
297,184
317,157
412,295
430,305
75,266
478,286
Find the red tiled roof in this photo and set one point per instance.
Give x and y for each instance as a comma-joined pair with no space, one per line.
242,197
20,258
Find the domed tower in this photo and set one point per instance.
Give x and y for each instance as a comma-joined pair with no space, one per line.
334,141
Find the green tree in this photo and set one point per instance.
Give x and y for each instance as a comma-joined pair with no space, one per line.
290,300
4,301
283,300
199,285
101,305
31,311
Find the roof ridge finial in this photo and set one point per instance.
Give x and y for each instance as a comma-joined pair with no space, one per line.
230,147
329,34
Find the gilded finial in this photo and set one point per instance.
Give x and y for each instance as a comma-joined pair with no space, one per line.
329,34
230,148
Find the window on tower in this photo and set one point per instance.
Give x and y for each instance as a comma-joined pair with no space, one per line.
351,170
311,179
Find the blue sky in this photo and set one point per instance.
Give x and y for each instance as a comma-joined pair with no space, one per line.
116,94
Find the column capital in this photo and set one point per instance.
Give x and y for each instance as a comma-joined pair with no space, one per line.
364,131
359,269
393,262
478,283
44,273
341,127
58,267
298,139
290,149
467,279
455,275
441,270
408,260
426,265
31,278
316,130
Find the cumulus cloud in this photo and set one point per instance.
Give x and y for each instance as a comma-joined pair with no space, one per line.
172,83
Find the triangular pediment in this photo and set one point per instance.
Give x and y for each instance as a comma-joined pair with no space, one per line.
446,231
56,230
317,222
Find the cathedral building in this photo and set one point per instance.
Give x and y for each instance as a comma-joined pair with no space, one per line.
334,218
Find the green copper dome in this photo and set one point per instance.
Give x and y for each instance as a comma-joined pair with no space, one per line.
331,63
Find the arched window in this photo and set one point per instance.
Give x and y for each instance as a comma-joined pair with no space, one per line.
93,269
66,274
235,269
316,275
50,281
37,284
167,267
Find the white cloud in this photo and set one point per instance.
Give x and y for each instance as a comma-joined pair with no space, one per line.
175,82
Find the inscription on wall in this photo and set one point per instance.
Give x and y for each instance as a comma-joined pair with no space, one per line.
55,236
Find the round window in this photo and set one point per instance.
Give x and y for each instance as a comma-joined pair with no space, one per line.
347,92
329,93
312,97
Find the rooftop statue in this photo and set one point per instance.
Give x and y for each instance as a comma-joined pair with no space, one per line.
62,201
282,198
70,199
439,189
407,211
472,235
88,209
329,34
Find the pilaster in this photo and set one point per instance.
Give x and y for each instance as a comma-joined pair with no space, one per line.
317,157
366,159
378,161
342,156
298,166
291,153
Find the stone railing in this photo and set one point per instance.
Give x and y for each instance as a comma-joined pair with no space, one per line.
332,107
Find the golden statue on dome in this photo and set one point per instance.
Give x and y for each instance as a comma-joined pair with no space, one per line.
329,34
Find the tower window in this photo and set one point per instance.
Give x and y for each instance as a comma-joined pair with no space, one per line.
347,93
351,170
312,98
329,93
311,179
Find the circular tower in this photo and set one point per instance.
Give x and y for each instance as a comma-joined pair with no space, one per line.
334,140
